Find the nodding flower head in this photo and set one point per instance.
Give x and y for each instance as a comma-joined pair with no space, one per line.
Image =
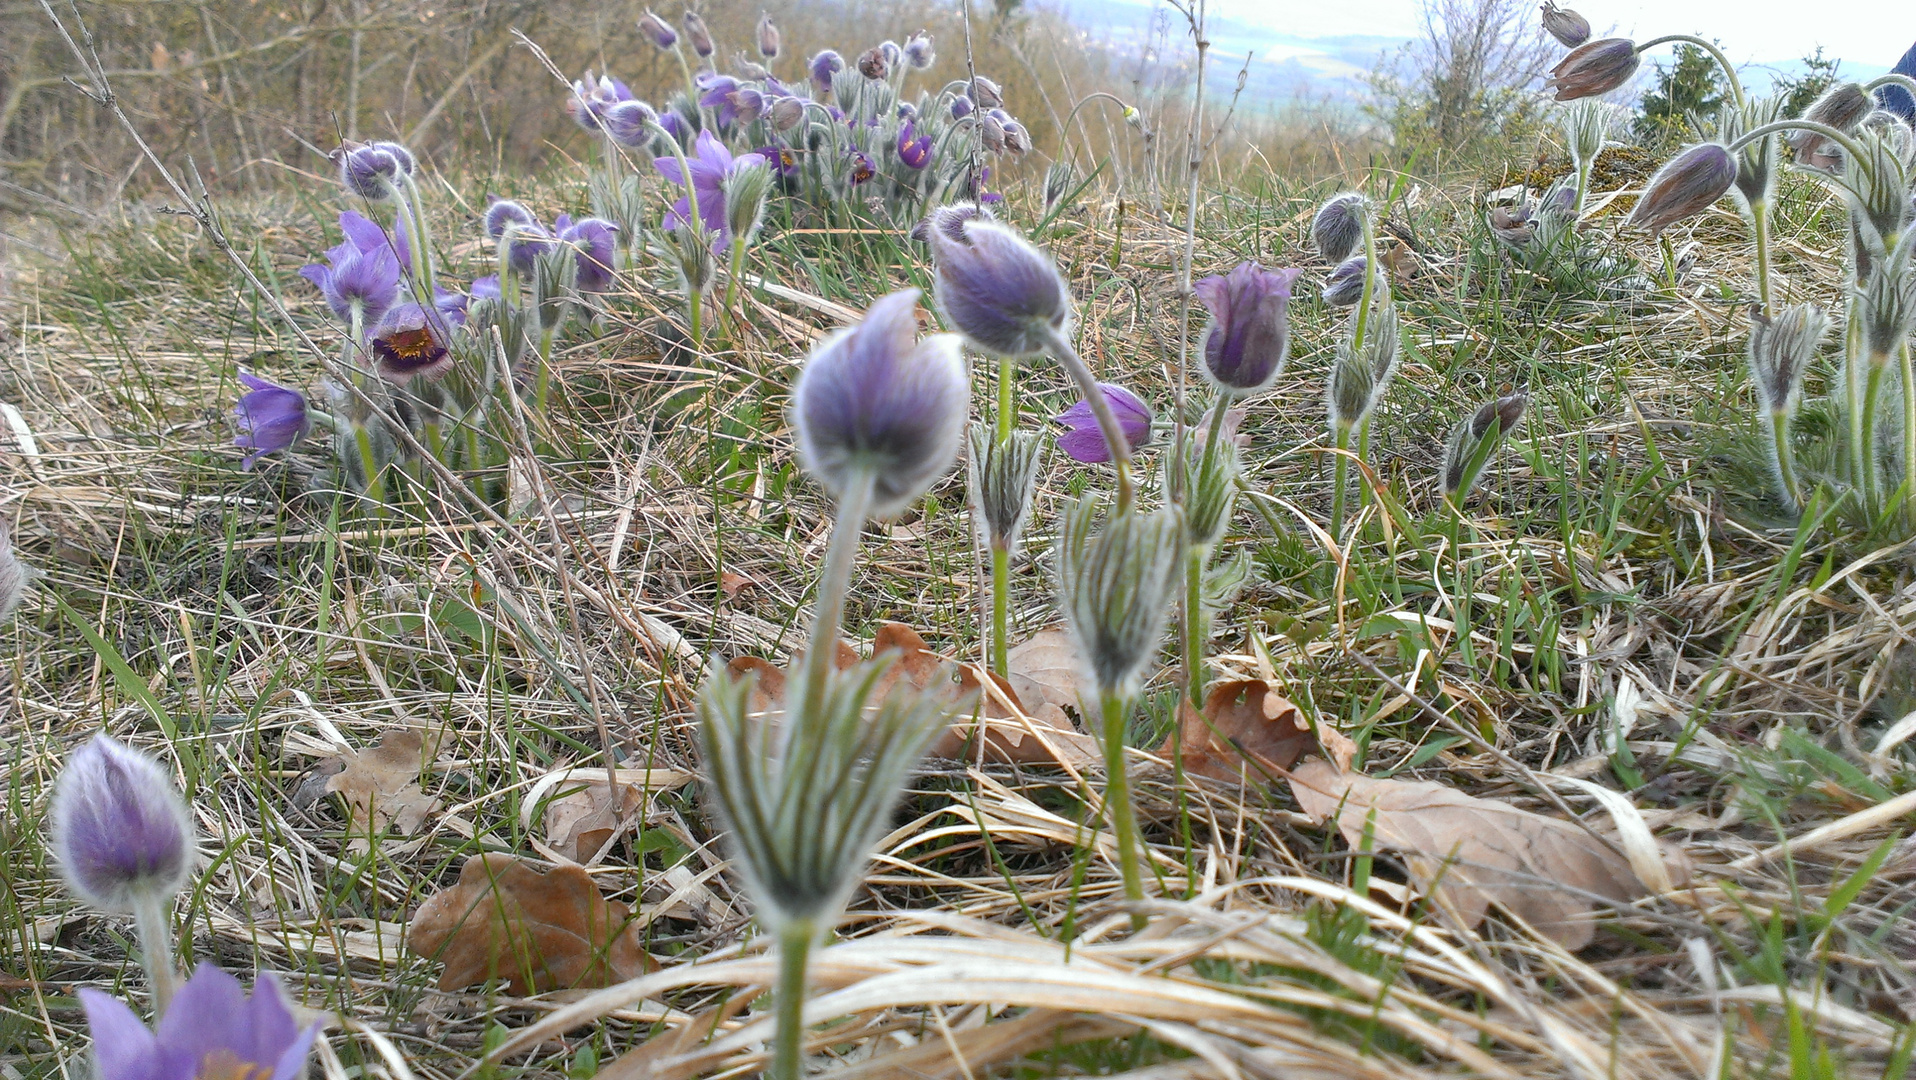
590,98
591,240
991,132
950,220
268,418
823,67
785,113
768,40
211,1029
874,399
918,51
860,168
697,34
1843,107
1249,337
1346,284
364,273
873,65
1468,449
631,124
1594,68
1686,184
371,170
503,214
1085,441
1338,228
998,290
961,107
986,94
120,830
1569,28
657,30
410,343
914,152
1781,350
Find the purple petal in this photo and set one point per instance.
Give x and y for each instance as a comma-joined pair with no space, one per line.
205,1015
122,1045
1085,445
364,233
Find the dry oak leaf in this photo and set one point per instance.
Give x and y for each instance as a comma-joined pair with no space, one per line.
1475,852
1247,730
579,823
382,783
538,931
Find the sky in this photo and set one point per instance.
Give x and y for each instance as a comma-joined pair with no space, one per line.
1325,43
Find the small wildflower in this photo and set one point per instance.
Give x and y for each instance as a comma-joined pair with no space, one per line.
1569,28
212,1030
768,40
657,30
1085,441
823,67
914,152
1248,340
593,252
710,162
371,170
269,418
918,51
1594,68
1687,184
406,345
1346,284
697,34
364,271
1338,228
590,98
861,169
998,290
120,831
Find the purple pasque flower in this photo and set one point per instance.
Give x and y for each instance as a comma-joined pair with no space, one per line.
213,1030
710,163
1346,285
370,170
768,39
874,399
593,244
918,51
1249,337
519,231
120,830
630,124
782,159
950,220
822,67
657,30
364,271
914,152
1594,68
861,168
269,418
590,98
411,343
1085,441
697,34
998,290
1687,184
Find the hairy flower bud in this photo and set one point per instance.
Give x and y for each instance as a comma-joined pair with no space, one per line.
1594,68
1002,477
785,113
697,34
120,830
1248,340
631,124
873,66
371,170
1475,439
918,51
594,252
1569,28
768,39
1338,228
1781,350
1583,129
986,94
503,214
1756,163
1687,184
823,67
1116,589
657,30
1888,303
692,257
998,290
950,220
1346,284
872,398
1361,374
745,188
1843,106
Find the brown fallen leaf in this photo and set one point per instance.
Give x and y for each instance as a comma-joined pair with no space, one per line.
1400,260
1474,852
1043,669
1246,730
381,784
538,931
579,822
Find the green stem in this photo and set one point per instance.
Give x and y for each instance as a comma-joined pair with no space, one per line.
854,506
1872,398
155,932
794,953
1114,440
1729,69
1853,368
1779,423
1760,227
1583,184
369,464
692,319
1000,608
1117,801
736,268
1195,556
1007,398
691,84
1340,472
1909,418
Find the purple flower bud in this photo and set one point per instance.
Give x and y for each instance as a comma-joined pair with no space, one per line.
1686,184
503,214
698,35
892,53
861,169
1338,228
914,152
744,105
1346,285
1249,337
269,418
823,66
918,51
996,289
950,220
629,123
992,134
371,170
211,1029
986,93
873,66
1843,106
785,113
1594,68
657,30
1017,140
768,42
1569,28
411,344
961,107
1085,441
873,399
592,240
120,830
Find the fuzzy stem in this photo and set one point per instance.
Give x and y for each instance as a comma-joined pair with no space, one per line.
1583,184
155,931
1779,425
1340,471
1853,391
1370,283
692,211
1850,146
1114,440
1000,607
1909,418
691,84
794,953
854,506
1903,81
1729,69
1117,801
1760,229
1195,556
731,284
1872,399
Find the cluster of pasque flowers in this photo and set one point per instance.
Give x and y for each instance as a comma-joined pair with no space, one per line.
124,843
1868,156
